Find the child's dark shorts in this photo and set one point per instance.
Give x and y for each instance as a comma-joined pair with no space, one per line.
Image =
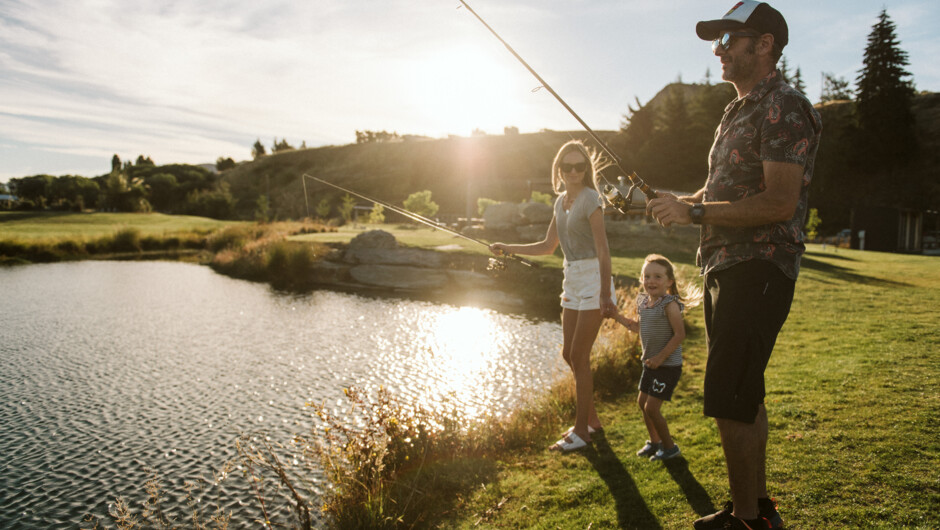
660,382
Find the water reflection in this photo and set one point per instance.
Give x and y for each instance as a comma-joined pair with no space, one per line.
108,369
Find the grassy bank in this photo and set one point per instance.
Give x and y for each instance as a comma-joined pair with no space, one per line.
56,236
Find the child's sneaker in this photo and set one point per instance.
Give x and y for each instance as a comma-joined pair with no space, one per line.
666,454
649,449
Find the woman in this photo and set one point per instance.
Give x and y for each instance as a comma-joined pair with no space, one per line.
578,225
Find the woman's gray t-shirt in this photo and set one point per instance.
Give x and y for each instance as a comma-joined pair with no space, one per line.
574,226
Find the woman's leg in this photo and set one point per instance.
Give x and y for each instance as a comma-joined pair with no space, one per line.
584,326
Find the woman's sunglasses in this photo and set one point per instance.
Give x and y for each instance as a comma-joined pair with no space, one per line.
726,40
580,167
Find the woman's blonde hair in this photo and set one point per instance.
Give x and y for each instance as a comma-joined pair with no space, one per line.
596,163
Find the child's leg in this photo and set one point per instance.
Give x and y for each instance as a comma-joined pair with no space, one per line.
642,400
653,415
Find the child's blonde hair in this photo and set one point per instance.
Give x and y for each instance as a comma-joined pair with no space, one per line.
687,293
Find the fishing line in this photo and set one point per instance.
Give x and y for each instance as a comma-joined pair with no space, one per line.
494,264
635,180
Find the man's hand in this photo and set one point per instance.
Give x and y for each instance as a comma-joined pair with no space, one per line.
668,210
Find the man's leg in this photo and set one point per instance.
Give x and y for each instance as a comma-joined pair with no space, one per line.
745,446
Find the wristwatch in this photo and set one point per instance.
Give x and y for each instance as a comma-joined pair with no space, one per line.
696,213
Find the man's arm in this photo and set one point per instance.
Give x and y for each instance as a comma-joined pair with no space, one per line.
777,203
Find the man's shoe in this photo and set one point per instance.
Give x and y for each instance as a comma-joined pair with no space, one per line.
666,454
717,520
767,508
649,449
738,524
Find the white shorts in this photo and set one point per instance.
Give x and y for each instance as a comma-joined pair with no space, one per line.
581,288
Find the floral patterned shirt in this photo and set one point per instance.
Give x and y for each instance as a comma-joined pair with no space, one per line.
773,122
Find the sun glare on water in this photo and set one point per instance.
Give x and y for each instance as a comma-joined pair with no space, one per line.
465,345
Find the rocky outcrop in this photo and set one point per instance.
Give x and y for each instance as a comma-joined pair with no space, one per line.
525,222
373,261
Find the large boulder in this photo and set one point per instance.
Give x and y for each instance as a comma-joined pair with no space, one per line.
378,247
536,213
501,216
398,277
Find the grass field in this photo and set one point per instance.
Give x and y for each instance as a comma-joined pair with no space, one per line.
31,226
854,407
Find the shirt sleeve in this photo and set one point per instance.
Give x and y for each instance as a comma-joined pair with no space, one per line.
786,129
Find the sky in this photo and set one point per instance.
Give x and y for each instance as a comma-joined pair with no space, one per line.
189,82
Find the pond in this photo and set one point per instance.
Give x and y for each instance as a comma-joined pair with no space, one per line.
112,371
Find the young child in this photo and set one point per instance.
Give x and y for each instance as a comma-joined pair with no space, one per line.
659,322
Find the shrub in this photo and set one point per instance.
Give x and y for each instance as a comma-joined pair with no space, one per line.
126,240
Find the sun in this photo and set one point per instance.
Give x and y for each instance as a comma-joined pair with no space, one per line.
466,87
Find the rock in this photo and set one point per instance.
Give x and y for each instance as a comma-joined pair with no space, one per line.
532,233
536,213
379,247
398,277
501,216
408,257
373,239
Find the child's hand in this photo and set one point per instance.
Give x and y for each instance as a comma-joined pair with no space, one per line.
653,362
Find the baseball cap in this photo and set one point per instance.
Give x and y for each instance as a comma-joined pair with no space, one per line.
747,13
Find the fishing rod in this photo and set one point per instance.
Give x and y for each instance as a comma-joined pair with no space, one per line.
618,200
495,264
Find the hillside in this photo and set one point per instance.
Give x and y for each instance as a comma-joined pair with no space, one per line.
509,168
456,170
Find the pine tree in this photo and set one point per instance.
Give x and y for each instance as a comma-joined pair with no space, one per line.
834,89
885,98
797,81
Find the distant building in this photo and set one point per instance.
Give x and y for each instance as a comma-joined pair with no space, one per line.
6,201
888,229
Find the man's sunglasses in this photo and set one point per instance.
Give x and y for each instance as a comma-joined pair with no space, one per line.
580,167
726,40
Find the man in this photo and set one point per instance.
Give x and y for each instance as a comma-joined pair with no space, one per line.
751,210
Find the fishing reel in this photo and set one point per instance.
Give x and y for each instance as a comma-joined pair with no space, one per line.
623,203
496,264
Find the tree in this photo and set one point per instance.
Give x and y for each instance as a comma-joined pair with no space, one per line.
257,151
420,203
221,164
812,223
377,215
281,146
323,208
834,89
797,82
262,209
115,163
346,208
784,69
885,98
144,161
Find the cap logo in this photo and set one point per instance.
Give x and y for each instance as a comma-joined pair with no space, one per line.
741,11
739,4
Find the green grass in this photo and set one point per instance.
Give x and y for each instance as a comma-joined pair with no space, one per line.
854,411
31,226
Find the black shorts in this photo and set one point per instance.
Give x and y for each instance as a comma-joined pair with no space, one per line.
745,307
660,382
